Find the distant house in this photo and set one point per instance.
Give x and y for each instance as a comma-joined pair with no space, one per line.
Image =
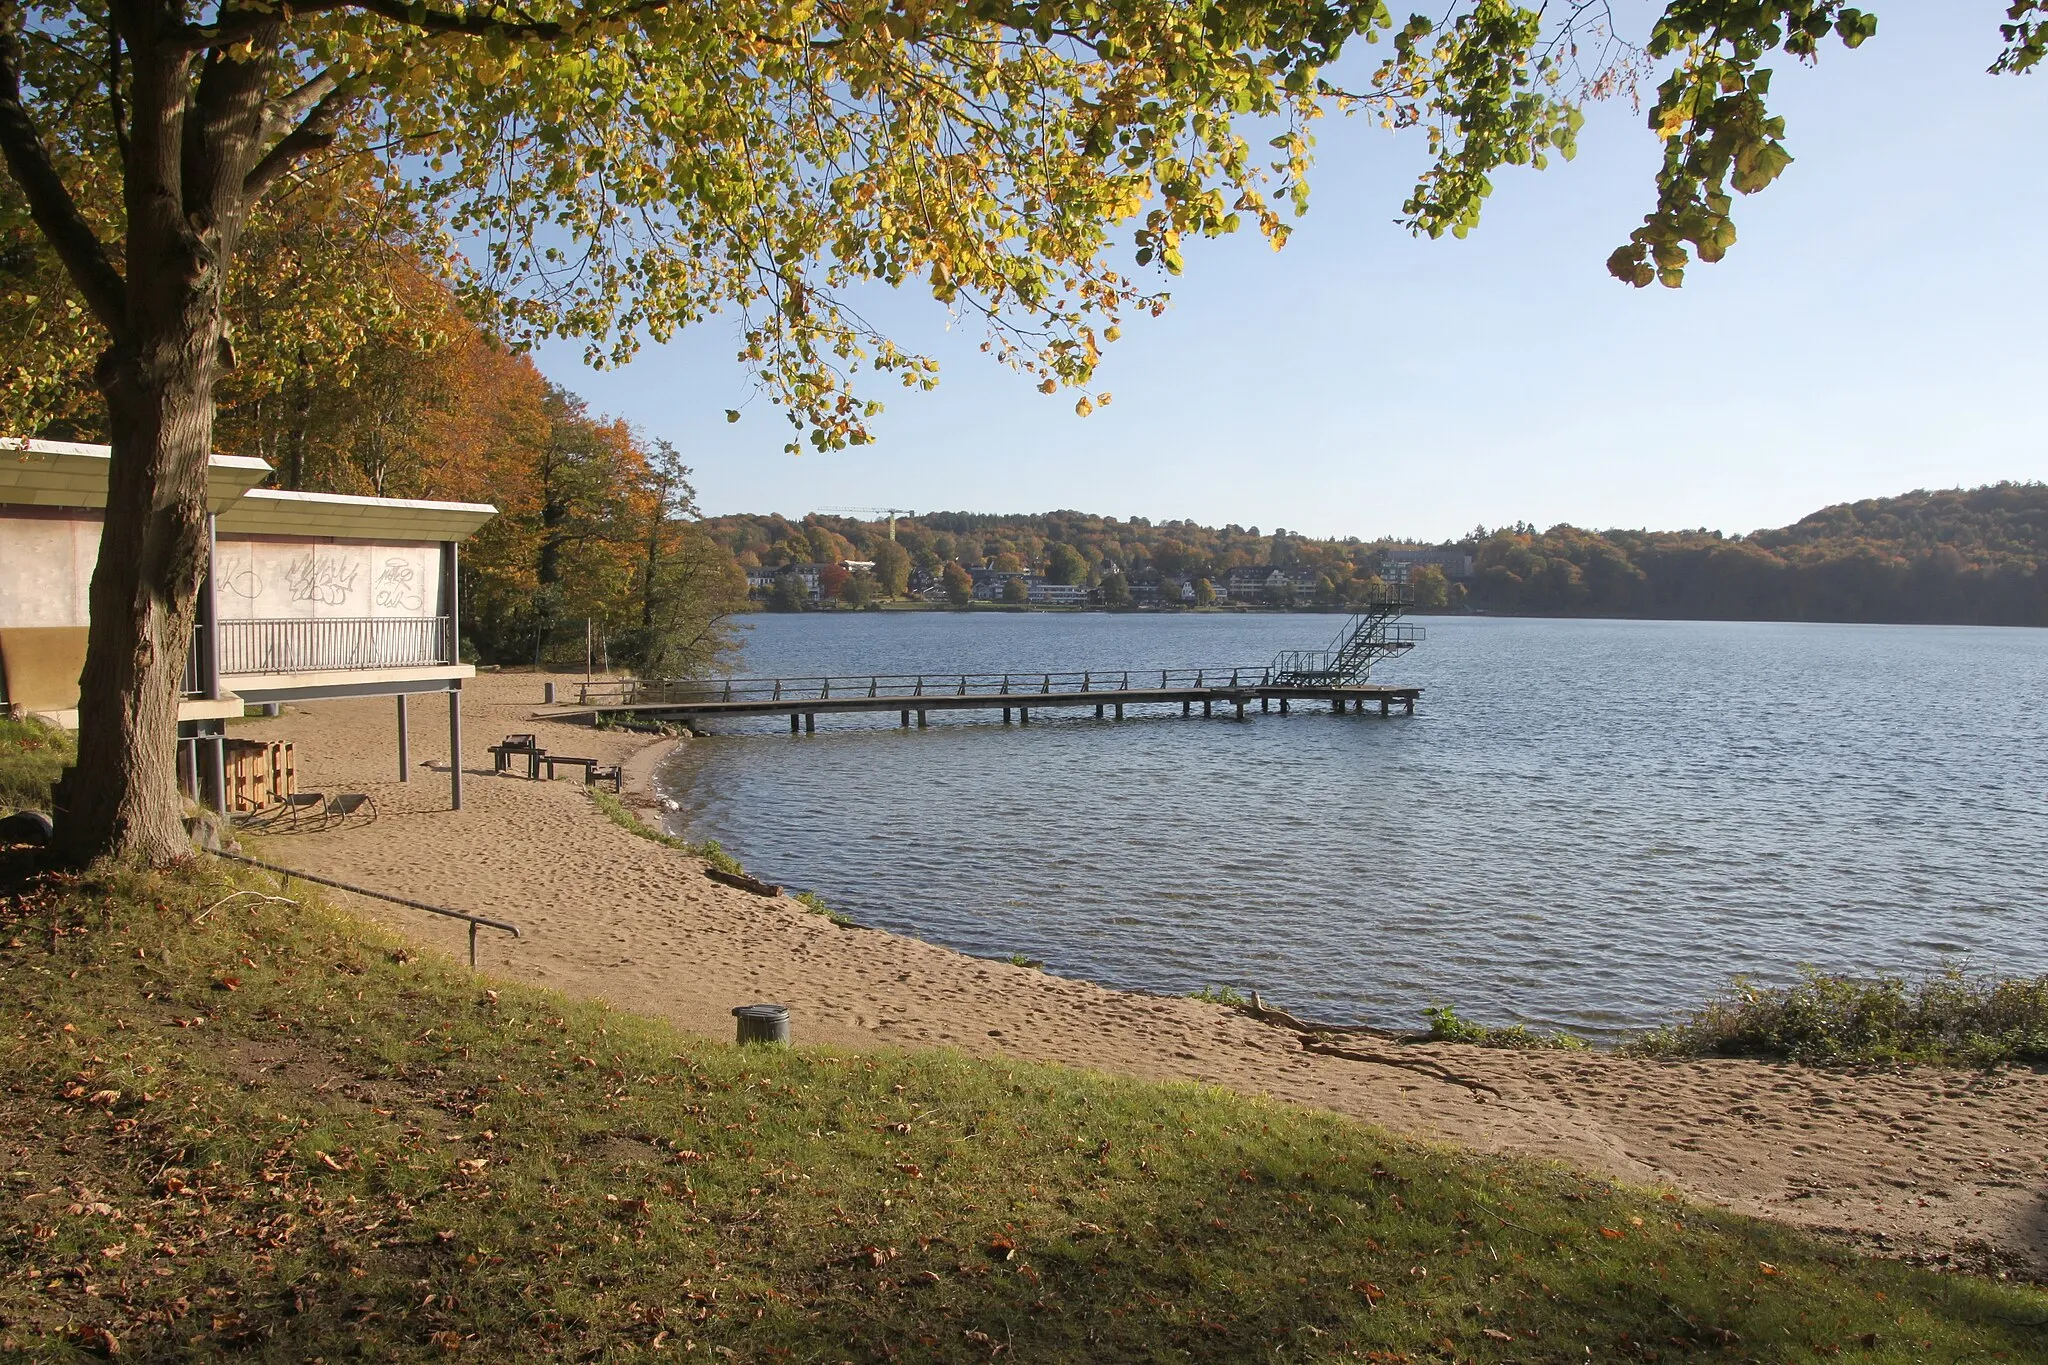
761,578
1061,594
1399,564
1252,583
306,595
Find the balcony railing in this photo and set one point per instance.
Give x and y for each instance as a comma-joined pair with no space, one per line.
333,643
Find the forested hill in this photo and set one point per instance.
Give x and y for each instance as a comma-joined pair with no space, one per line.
1957,555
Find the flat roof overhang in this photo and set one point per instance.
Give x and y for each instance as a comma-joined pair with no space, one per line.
277,512
67,474
259,688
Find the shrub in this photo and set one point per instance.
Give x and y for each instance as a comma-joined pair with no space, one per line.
1948,1017
1220,995
1446,1025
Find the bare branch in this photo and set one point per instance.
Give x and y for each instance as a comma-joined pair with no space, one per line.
315,132
50,203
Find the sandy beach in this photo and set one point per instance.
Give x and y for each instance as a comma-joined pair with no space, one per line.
1949,1166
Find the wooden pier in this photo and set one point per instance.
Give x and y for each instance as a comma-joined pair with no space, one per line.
914,697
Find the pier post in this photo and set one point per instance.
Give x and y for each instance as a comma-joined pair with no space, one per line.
1119,710
810,722
1098,710
1024,715
1408,706
792,722
1006,715
1283,706
1265,703
920,718
1386,709
1337,706
906,720
1185,708
1206,712
1240,710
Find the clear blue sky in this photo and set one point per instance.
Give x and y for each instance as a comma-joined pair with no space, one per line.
1879,327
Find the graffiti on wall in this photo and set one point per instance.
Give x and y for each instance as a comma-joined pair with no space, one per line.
270,580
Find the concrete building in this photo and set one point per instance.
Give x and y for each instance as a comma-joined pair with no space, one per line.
306,595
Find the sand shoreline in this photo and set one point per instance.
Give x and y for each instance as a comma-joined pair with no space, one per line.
1950,1166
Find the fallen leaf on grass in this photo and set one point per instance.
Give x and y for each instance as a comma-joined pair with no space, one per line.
1613,1234
94,1337
329,1162
1495,1333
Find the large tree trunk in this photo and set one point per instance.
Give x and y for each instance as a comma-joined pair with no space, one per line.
122,798
187,198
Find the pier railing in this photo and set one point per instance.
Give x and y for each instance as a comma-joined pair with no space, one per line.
681,692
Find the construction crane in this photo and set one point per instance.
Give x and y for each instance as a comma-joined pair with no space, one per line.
890,512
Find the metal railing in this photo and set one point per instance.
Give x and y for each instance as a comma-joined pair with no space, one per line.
686,692
475,921
194,683
1348,658
322,644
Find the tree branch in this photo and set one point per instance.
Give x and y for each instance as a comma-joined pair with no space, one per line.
232,29
315,132
50,203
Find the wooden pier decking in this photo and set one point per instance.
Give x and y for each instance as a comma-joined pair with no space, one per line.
803,700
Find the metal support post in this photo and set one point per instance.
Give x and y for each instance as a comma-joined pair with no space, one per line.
1098,711
810,722
793,722
906,720
920,718
219,749
455,748
404,743
1119,710
1006,715
1024,715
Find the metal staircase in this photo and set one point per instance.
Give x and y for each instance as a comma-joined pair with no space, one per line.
1369,636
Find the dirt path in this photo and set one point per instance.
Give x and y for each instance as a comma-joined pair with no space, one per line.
1947,1165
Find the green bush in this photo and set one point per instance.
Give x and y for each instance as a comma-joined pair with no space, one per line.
1948,1018
1220,995
1446,1025
32,755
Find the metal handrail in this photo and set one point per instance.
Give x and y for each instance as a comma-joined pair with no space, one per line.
475,921
317,644
676,691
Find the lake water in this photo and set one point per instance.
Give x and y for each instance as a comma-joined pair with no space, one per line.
1587,824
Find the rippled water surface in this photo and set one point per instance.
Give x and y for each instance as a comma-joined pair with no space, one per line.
1587,824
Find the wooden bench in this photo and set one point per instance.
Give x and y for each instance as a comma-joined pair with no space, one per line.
594,770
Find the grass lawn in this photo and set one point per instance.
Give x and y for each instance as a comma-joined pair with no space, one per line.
239,1126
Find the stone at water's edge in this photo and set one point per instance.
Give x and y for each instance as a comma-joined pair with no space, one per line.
207,830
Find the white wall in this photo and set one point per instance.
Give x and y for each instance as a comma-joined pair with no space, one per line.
295,580
46,569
